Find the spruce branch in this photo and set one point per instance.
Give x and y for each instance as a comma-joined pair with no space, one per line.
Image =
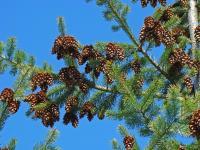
127,30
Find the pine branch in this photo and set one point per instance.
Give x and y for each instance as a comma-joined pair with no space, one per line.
127,30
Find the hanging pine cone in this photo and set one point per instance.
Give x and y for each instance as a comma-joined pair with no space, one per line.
136,66
168,39
153,3
97,72
197,65
142,35
32,99
149,22
71,103
188,83
87,109
84,86
114,52
197,33
70,76
70,117
7,95
54,109
47,118
43,80
167,15
177,32
128,142
65,45
13,106
144,3
194,124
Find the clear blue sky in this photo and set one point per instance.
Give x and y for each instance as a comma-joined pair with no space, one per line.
33,23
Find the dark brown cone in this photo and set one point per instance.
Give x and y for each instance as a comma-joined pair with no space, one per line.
144,3
153,3
71,104
128,142
13,106
32,99
67,118
136,66
167,15
197,33
87,109
83,86
149,22
97,72
7,94
54,109
188,83
65,45
70,76
43,80
114,52
194,124
74,120
47,119
197,65
87,51
168,39
142,35
88,68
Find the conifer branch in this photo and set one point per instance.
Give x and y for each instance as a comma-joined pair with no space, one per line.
127,30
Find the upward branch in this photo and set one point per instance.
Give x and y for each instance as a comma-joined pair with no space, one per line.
127,30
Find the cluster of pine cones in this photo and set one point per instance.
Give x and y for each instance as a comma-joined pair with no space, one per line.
179,56
49,114
72,77
153,3
194,124
72,109
96,62
153,30
128,142
7,96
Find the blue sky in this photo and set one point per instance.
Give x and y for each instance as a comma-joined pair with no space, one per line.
33,23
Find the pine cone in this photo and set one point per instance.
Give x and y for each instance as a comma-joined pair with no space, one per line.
47,118
71,104
194,124
128,142
183,2
144,3
136,66
83,86
7,95
153,3
70,76
197,33
168,39
114,51
13,106
167,14
43,80
87,110
149,22
142,35
65,45
70,117
188,83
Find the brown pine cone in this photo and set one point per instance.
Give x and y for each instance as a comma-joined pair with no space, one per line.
128,142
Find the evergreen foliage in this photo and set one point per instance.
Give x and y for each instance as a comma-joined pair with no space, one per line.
150,95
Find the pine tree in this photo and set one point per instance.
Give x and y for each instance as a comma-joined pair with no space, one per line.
157,97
